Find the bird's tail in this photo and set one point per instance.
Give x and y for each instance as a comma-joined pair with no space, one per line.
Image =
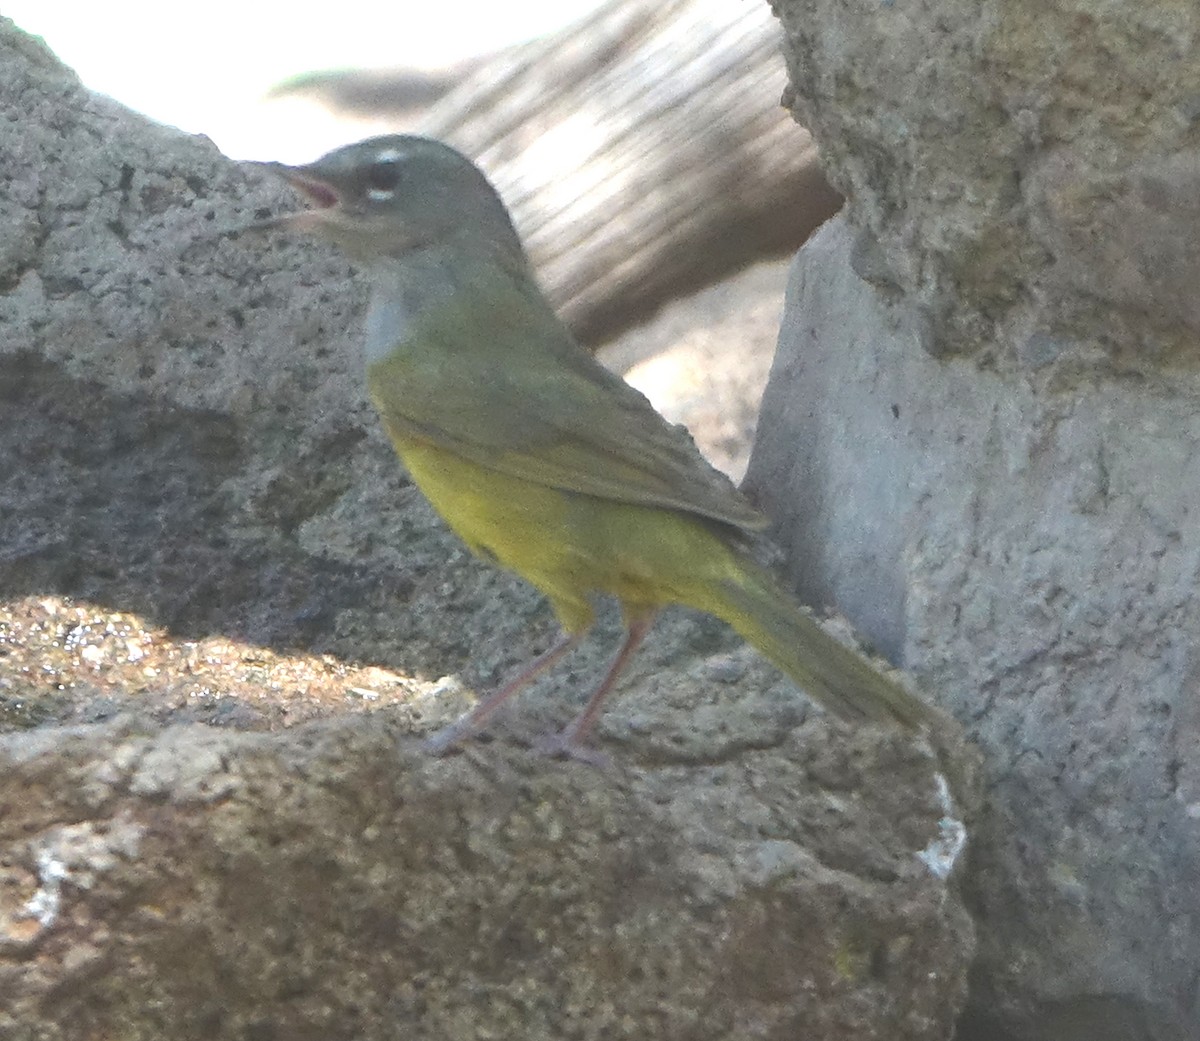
841,679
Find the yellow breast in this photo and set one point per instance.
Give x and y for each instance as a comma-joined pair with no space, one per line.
569,546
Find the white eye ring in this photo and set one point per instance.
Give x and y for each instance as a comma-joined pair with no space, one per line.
383,156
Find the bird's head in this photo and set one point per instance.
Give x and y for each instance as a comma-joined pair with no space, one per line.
388,196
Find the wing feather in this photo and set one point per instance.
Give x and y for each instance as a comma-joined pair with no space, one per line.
528,401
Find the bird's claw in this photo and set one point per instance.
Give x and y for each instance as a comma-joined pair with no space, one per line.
562,745
447,739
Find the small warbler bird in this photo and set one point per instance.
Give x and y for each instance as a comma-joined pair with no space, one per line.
538,457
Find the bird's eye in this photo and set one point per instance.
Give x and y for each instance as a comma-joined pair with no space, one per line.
382,178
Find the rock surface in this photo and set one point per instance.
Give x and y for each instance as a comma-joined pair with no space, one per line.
335,882
1024,173
983,445
203,523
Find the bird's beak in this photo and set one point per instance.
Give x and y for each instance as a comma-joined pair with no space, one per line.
322,196
316,190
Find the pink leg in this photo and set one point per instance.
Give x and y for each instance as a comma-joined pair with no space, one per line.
570,742
448,737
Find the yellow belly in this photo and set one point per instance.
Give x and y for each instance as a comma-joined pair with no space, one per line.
569,546
573,546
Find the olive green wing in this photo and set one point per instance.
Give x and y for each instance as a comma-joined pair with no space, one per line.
524,399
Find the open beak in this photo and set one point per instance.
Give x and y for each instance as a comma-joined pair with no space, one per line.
319,193
322,197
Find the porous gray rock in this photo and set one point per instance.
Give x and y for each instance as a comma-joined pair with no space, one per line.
335,882
1024,173
202,520
981,441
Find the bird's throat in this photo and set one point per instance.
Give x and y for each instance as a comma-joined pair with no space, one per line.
403,290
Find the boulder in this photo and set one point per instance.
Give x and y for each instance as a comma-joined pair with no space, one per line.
981,442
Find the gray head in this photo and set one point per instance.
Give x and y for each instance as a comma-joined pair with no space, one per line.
387,196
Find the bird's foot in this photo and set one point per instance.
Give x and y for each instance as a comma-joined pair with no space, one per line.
449,737
563,745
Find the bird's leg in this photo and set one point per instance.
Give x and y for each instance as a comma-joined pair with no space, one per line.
448,737
569,743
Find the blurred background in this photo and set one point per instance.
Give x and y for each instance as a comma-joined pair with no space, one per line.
209,68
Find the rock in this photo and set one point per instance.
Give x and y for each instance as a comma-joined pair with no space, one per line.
980,441
336,882
1020,170
222,610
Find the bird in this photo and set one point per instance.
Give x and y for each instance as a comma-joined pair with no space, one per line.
538,457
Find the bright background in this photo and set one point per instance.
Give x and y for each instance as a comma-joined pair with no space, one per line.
205,67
